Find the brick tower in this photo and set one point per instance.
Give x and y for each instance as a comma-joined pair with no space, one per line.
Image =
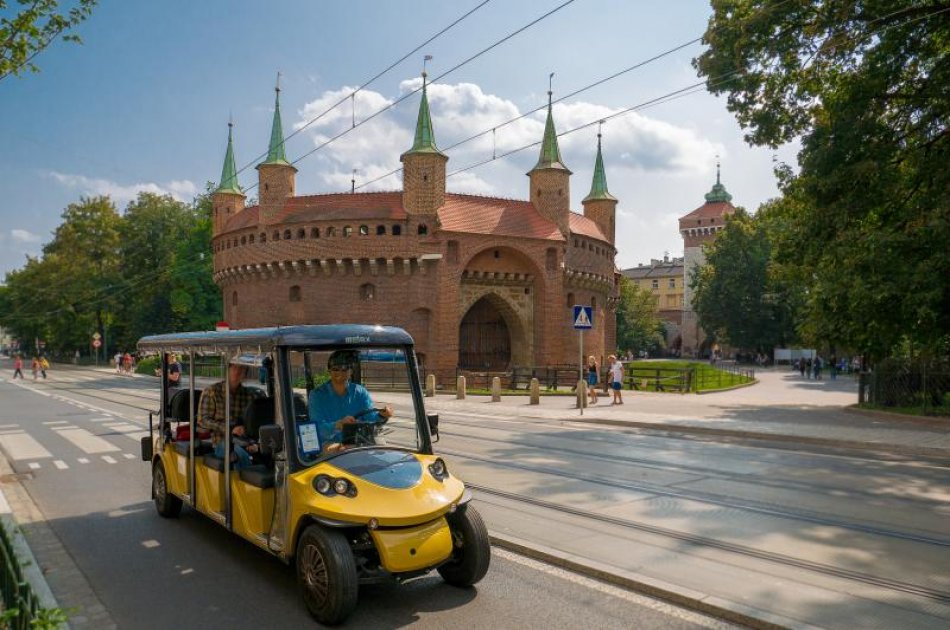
228,198
599,205
276,176
551,180
423,167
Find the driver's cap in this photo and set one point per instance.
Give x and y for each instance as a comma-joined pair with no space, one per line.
344,358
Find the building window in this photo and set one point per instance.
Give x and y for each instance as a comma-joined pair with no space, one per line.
423,229
367,292
301,233
295,293
656,285
452,252
570,300
672,283
347,231
380,230
314,232
243,240
276,235
286,235
497,254
593,303
234,298
550,259
397,230
364,230
331,231
263,237
250,239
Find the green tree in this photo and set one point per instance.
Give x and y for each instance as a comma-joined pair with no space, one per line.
735,294
29,31
866,86
638,325
195,298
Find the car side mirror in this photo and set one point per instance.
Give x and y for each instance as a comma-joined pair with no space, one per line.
433,419
271,439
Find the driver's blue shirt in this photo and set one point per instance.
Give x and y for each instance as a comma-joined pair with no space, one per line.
327,408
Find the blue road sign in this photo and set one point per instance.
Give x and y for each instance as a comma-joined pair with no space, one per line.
583,317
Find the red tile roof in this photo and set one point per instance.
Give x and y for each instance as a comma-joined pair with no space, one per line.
491,215
580,224
709,209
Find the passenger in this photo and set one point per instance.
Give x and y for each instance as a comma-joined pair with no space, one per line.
338,401
211,415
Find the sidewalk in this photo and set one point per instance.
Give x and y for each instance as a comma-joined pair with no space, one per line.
782,406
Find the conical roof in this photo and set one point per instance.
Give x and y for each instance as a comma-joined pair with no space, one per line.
275,151
598,185
424,140
550,152
718,192
229,181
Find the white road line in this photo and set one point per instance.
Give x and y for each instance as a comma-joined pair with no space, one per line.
61,464
86,441
128,455
108,460
52,422
34,466
129,430
83,460
21,446
10,426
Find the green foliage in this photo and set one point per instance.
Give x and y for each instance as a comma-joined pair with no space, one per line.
638,326
147,365
35,26
866,87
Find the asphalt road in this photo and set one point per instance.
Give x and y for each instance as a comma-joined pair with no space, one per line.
77,456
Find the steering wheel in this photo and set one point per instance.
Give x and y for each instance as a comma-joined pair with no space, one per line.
382,418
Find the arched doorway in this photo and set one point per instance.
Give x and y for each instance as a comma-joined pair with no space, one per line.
484,339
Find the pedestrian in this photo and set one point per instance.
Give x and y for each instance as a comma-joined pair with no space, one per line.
35,366
127,363
18,367
616,378
817,368
801,366
833,367
44,365
118,362
593,377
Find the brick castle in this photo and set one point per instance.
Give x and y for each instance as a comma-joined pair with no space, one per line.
481,283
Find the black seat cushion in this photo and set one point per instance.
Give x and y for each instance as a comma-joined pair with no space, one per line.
259,476
178,407
212,461
258,412
201,447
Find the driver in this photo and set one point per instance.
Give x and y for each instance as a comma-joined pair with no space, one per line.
339,401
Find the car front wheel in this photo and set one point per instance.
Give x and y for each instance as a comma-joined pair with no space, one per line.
472,550
326,571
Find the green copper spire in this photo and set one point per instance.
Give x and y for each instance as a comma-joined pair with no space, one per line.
275,153
550,153
424,141
598,186
718,192
229,180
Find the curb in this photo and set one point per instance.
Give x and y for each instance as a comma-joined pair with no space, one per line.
24,555
694,600
927,421
727,389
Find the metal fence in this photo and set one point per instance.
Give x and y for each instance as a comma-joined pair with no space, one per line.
902,385
685,379
21,605
551,377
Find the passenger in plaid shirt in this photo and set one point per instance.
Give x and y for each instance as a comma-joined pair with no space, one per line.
211,414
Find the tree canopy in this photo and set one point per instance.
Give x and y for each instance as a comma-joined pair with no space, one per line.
27,32
865,85
638,326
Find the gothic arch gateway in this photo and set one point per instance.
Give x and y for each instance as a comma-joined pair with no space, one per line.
493,336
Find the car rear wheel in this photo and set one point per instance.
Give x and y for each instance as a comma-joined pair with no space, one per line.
167,504
472,550
326,571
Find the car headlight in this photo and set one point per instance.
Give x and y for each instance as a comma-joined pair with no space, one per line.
322,484
438,469
341,486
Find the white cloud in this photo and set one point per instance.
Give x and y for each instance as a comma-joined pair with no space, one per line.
182,190
23,236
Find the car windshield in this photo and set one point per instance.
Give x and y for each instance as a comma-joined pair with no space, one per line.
351,398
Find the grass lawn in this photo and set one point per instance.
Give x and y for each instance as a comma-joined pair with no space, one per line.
705,377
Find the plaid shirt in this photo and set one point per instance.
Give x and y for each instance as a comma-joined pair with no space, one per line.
211,407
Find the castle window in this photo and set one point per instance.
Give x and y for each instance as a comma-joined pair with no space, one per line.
295,293
575,242
347,231
497,254
560,192
423,229
331,231
397,230
301,233
367,292
539,192
364,230
527,290
287,235
266,186
380,230
276,235
229,244
699,221
263,237
452,252
234,298
250,239
593,303
314,232
425,177
570,300
550,259
243,240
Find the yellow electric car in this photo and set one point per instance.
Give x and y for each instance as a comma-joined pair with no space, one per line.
329,464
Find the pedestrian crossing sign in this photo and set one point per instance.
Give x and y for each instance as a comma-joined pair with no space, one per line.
583,317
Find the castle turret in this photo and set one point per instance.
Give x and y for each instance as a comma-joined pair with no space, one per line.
551,180
423,167
228,198
276,176
599,205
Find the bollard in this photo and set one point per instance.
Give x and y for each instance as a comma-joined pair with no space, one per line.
581,394
496,389
430,386
535,390
460,388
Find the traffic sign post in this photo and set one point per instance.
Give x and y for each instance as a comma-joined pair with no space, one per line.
583,320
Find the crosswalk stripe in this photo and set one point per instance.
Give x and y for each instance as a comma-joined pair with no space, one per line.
128,455
53,422
108,460
34,466
9,426
61,464
83,460
86,441
20,446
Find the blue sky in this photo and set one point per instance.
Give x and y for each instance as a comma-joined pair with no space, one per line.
143,104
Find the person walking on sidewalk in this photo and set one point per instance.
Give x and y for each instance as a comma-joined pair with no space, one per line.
35,367
616,379
18,367
593,376
44,365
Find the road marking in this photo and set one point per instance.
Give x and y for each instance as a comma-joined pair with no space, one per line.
9,426
83,460
20,446
34,466
108,460
150,544
128,455
52,422
61,464
86,441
